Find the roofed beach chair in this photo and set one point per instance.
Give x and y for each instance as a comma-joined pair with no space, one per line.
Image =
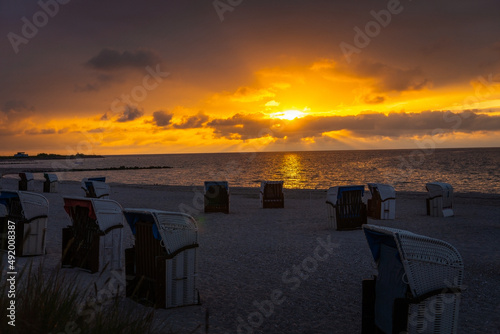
346,210
27,182
95,187
94,240
216,196
50,184
439,199
382,205
161,268
28,214
418,286
271,194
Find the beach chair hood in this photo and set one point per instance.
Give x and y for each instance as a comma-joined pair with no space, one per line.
439,189
429,264
33,204
27,176
334,193
386,191
107,213
50,177
175,229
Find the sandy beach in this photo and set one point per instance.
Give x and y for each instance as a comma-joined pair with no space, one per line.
255,268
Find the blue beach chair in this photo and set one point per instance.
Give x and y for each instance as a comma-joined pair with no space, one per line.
161,268
346,209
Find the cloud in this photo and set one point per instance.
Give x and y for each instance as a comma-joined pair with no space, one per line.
40,131
392,125
15,106
373,99
190,122
272,103
241,126
322,64
111,60
247,94
87,88
389,79
162,118
97,130
129,114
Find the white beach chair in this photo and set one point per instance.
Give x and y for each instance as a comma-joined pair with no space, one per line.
29,213
96,187
162,265
94,240
439,199
382,205
27,182
418,286
50,184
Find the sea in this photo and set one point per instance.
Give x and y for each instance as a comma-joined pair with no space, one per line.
466,169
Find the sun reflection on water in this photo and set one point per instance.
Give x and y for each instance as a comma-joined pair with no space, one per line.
292,171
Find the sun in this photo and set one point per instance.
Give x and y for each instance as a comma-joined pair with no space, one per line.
288,114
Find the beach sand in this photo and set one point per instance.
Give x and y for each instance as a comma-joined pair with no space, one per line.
249,257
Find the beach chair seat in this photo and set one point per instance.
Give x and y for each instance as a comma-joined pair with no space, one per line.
162,265
346,209
96,187
439,201
418,285
271,194
27,182
29,213
94,239
216,196
382,205
50,184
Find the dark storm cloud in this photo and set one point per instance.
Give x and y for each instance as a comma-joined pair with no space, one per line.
390,78
162,118
15,106
363,125
110,60
191,122
241,126
40,131
129,114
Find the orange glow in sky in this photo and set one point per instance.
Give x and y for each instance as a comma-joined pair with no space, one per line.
181,80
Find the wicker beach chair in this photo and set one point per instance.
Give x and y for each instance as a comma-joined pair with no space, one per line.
50,184
271,194
29,213
94,240
439,199
27,182
382,205
161,268
216,196
96,187
418,286
346,210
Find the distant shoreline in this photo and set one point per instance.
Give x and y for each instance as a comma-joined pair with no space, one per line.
45,156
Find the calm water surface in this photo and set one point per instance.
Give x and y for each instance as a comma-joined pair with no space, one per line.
475,170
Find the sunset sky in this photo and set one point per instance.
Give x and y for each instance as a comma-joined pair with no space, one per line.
182,76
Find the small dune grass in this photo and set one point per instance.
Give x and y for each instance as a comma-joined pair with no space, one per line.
55,303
